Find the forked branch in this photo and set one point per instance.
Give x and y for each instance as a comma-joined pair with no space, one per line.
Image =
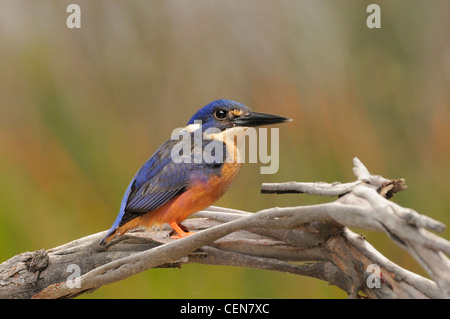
273,239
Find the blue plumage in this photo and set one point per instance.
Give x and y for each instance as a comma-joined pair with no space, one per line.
207,114
161,179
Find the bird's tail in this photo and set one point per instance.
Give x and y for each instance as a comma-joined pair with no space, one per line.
109,236
114,228
118,230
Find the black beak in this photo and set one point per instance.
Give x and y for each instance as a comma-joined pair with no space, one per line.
258,119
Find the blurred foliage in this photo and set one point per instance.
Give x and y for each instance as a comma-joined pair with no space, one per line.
81,110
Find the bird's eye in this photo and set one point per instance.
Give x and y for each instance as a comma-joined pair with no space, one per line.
220,114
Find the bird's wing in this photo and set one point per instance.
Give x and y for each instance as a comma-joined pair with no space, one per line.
158,181
161,179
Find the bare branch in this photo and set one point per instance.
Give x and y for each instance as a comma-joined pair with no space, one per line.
274,239
319,188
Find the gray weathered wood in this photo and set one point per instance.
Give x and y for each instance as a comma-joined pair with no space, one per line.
273,239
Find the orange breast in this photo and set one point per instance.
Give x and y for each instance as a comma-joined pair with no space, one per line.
197,197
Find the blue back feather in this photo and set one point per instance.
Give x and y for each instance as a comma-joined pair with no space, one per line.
160,179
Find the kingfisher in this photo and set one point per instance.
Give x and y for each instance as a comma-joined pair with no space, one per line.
177,181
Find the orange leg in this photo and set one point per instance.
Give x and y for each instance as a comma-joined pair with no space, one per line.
181,233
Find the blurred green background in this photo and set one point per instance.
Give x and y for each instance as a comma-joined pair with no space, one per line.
82,109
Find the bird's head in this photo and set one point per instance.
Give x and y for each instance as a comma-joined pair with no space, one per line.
224,114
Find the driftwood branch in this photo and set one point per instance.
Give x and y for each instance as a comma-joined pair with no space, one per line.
274,239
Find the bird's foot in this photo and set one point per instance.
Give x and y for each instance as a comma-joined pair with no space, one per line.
180,229
184,234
